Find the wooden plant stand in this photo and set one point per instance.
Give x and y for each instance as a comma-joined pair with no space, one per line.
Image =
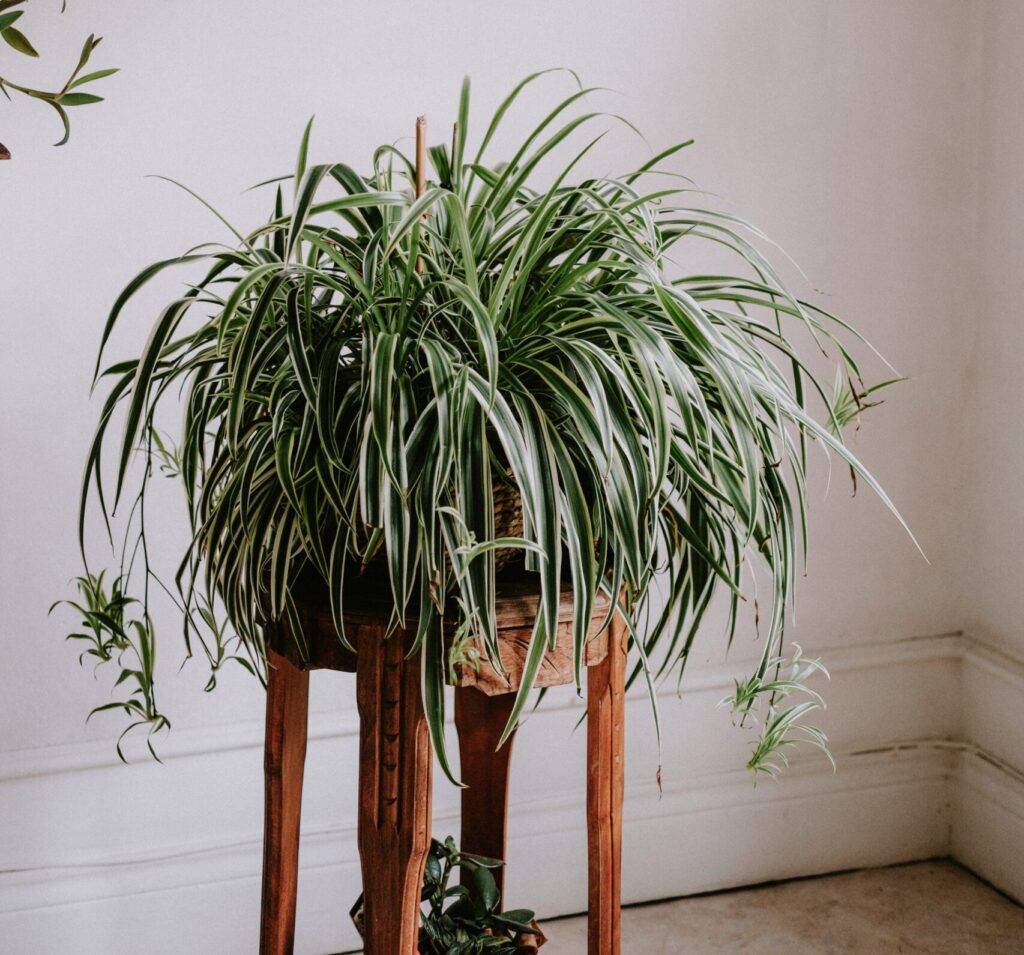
395,761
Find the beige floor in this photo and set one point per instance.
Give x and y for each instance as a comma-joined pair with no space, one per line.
930,908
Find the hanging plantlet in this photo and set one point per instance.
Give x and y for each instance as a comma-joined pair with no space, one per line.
70,94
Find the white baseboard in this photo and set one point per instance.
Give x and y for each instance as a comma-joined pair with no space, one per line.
992,701
989,833
175,866
206,900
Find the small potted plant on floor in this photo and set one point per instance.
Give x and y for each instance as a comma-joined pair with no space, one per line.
465,919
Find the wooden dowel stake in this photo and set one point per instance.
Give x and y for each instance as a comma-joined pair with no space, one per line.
421,170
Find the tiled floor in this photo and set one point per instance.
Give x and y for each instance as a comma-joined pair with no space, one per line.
929,908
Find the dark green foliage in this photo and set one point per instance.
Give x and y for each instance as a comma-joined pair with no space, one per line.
464,919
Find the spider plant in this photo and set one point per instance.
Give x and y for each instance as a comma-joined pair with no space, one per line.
357,372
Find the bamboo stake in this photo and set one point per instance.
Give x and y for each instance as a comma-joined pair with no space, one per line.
421,169
421,155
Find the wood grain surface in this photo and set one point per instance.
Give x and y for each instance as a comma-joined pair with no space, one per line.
395,755
480,720
605,789
283,765
394,791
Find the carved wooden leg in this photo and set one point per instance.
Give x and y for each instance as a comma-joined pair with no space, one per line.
480,720
605,781
283,765
394,791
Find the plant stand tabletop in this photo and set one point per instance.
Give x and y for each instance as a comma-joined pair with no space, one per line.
395,760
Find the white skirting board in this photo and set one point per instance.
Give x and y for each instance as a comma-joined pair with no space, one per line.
174,865
988,835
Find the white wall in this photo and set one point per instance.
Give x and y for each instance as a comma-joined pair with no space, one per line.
877,142
994,443
992,535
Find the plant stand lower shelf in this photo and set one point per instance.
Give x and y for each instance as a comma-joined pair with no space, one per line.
395,760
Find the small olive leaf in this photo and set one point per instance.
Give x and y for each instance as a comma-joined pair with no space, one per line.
64,119
6,19
79,99
89,77
91,42
19,41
